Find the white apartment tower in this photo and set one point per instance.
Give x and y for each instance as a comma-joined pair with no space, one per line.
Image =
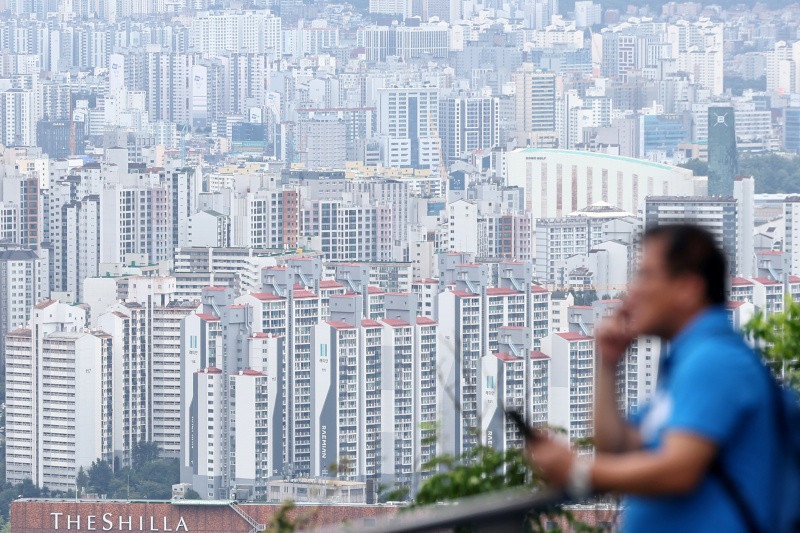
23,283
56,379
408,120
467,124
147,342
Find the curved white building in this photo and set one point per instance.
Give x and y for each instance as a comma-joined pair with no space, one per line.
559,182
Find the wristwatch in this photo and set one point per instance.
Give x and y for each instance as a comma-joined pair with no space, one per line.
579,484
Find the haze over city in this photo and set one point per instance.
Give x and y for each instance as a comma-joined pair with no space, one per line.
302,250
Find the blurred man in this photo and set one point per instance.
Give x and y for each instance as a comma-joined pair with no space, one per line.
712,411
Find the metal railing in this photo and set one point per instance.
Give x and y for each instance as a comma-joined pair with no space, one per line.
501,512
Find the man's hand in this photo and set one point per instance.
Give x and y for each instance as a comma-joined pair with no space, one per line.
552,459
613,336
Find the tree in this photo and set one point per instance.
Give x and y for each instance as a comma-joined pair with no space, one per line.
192,494
777,338
82,480
481,469
484,469
144,452
773,173
100,476
698,167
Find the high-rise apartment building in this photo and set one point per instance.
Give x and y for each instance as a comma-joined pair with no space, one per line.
24,281
467,124
147,351
57,417
408,119
717,214
258,32
347,232
18,117
535,102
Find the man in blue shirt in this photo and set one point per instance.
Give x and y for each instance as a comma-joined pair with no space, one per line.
713,403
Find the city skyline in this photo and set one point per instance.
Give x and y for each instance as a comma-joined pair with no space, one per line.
287,242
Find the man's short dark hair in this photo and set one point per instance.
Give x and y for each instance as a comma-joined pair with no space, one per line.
693,250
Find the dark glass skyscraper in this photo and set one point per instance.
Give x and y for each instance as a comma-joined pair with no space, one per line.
723,159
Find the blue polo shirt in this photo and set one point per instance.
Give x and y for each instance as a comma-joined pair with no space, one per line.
713,385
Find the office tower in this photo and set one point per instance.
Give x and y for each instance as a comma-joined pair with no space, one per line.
449,10
535,102
467,124
56,397
61,139
791,130
661,134
408,119
723,158
717,214
624,52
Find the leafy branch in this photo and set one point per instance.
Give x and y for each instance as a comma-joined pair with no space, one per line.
777,338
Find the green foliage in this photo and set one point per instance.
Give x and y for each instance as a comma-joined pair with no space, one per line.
777,337
773,173
143,453
698,167
26,489
83,479
100,476
282,522
484,469
398,494
481,469
192,494
587,297
738,85
150,478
